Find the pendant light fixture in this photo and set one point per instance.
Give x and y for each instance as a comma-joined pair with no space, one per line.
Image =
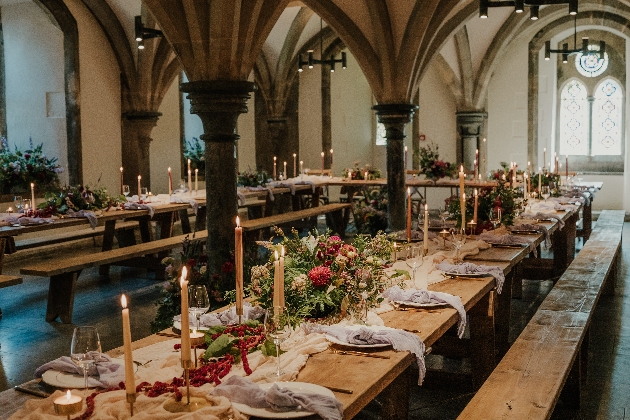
312,61
143,33
585,50
519,6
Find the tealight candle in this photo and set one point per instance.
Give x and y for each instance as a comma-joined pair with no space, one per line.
197,338
10,210
68,404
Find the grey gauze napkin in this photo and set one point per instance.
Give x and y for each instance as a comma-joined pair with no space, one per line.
395,293
26,221
106,374
241,390
84,213
399,340
138,206
470,268
506,239
540,215
226,317
534,228
193,203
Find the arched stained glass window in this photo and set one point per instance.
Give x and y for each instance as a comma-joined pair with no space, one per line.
607,118
573,119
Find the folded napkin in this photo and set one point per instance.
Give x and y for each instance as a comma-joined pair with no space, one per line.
528,227
541,215
26,221
395,293
505,239
90,215
261,188
579,194
282,184
180,190
469,248
226,317
470,268
137,206
104,374
193,203
305,182
244,391
399,340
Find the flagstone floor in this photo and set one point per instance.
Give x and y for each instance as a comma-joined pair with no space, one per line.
27,341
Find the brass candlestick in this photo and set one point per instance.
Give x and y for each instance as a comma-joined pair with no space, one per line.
192,403
472,226
444,234
131,398
196,342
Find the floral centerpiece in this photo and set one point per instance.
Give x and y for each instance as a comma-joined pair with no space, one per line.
489,199
195,150
370,214
502,174
428,160
357,173
547,179
252,178
18,169
77,198
325,277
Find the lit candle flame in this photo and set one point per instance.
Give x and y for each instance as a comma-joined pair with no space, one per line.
238,221
276,255
139,177
123,301
68,396
426,207
183,278
408,191
121,169
282,251
32,185
169,169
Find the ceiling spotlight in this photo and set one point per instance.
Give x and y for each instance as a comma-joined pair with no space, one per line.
573,7
519,6
142,33
533,12
547,50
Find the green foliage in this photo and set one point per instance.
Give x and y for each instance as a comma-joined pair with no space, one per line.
252,178
489,199
428,160
18,169
359,173
78,198
195,150
370,214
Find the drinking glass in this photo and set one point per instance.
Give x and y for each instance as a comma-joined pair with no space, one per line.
414,260
444,214
494,218
545,193
144,192
85,349
18,203
126,190
459,239
198,301
277,329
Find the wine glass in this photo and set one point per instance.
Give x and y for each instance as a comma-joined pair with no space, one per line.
545,193
18,203
85,349
444,214
459,239
198,301
277,329
126,191
495,218
144,192
414,260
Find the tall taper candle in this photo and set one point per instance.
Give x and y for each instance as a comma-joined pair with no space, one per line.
405,159
475,192
322,163
238,260
425,239
408,214
463,209
121,180
281,279
331,163
545,158
190,181
294,165
139,178
461,181
170,181
302,167
276,281
196,180
476,162
130,381
566,167
33,205
185,332
284,171
274,167
539,181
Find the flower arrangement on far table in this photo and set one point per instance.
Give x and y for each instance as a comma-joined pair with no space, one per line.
252,178
77,198
19,168
428,160
502,174
325,277
195,150
489,199
357,173
547,179
370,214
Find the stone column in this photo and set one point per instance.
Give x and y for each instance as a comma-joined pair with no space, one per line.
136,158
470,127
219,103
395,117
278,133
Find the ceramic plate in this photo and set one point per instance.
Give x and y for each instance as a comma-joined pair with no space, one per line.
446,273
335,340
293,386
66,380
178,326
419,305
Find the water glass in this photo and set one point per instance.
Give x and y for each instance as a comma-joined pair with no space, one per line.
125,190
414,260
85,349
18,203
198,301
459,239
277,329
144,192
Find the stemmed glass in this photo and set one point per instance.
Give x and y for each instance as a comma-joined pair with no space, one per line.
144,192
414,260
459,239
126,191
495,218
198,301
545,193
444,214
18,203
85,349
277,329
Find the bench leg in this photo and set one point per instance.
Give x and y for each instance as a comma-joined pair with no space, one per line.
200,220
183,217
517,282
482,337
61,297
571,394
108,243
334,221
608,288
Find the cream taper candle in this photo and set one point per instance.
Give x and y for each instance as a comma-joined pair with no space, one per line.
238,260
130,381
185,332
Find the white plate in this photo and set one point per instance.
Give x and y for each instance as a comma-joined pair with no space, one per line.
468,274
65,380
335,340
419,305
303,387
178,326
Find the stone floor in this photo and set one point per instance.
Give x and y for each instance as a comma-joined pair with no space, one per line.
27,341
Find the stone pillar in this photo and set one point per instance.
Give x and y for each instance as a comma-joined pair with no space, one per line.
278,133
219,103
136,157
470,127
395,117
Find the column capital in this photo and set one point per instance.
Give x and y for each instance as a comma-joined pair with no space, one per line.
141,115
218,103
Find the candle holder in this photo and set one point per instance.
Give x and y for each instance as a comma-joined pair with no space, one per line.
196,341
131,398
473,227
444,234
191,403
68,405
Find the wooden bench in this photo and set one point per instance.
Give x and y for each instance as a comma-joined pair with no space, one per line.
7,281
64,272
548,360
334,219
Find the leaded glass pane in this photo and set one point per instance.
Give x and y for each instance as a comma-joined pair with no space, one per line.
607,119
381,135
573,119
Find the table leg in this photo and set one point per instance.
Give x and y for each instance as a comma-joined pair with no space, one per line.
502,316
200,220
3,245
564,245
165,222
183,216
395,398
482,337
61,297
108,243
